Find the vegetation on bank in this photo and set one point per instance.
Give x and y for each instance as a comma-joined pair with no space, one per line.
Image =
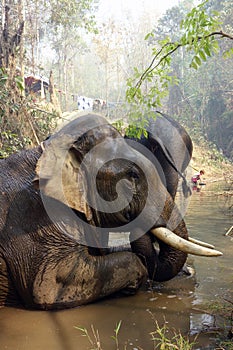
164,338
161,338
217,167
165,64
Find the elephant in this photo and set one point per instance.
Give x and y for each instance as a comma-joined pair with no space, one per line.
172,146
60,200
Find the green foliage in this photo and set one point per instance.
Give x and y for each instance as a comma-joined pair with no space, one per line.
134,131
224,309
94,338
228,53
11,143
116,333
70,14
163,341
157,78
199,28
160,338
199,31
21,123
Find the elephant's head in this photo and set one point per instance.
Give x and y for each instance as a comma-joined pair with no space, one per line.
107,185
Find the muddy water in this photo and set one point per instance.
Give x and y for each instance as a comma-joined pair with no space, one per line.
181,303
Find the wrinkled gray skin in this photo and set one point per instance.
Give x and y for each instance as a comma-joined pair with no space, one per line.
171,147
41,265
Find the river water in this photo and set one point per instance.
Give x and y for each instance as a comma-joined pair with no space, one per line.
180,303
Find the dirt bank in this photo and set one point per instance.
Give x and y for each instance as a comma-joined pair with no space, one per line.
215,166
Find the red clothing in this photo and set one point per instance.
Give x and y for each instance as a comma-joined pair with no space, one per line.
195,178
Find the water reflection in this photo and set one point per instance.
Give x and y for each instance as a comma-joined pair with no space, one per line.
181,302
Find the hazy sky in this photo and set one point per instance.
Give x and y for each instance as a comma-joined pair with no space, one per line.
108,8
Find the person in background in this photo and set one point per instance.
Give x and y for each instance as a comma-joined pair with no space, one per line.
197,177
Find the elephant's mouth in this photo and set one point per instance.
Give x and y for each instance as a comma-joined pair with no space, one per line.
118,219
190,246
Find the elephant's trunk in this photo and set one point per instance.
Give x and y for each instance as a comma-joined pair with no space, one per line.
174,245
170,260
162,265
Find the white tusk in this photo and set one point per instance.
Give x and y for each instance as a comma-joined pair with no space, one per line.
203,244
182,244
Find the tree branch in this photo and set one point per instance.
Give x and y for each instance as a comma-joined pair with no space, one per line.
151,68
222,34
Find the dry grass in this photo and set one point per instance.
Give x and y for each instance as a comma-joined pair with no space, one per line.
216,167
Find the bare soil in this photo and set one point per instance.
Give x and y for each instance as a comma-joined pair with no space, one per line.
216,167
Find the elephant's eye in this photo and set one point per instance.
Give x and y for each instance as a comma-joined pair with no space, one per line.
133,174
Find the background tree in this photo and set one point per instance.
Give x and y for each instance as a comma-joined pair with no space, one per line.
176,87
63,37
24,27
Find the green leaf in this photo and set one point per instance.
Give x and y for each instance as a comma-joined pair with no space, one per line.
197,60
149,35
19,83
228,53
207,51
202,55
193,65
118,326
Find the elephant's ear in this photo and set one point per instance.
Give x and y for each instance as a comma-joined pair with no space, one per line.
58,176
74,185
58,171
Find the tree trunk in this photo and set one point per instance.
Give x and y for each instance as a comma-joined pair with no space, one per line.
53,97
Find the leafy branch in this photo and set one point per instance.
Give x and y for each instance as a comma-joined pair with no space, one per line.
200,33
172,47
